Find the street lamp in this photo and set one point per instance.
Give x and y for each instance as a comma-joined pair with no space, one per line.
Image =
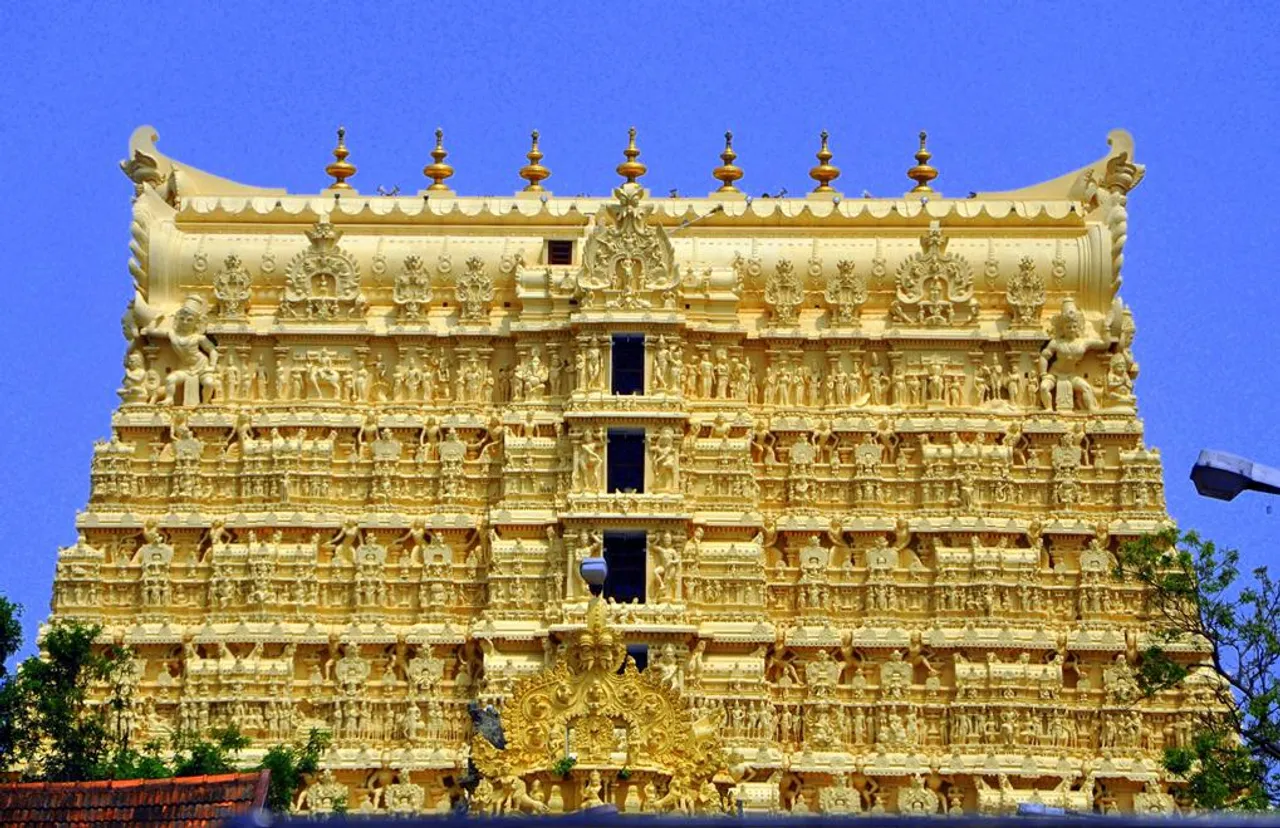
594,571
1223,476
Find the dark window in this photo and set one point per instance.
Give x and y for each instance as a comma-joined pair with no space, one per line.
626,460
640,653
628,363
559,251
627,556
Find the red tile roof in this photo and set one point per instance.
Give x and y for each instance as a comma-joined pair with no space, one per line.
189,802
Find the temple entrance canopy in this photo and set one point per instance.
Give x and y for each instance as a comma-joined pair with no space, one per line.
595,707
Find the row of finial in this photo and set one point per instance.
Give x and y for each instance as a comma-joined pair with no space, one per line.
631,169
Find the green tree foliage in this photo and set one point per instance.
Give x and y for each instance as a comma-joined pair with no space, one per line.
51,732
196,756
10,641
10,633
127,763
1197,602
289,765
55,733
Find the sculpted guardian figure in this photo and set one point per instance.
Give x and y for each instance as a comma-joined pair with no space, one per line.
1061,380
196,355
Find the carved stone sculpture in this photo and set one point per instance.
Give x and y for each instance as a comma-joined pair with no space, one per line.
322,283
934,288
1062,383
193,377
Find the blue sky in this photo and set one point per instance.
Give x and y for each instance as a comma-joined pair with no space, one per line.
1011,94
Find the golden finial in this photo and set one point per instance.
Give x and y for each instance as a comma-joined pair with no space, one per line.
824,173
437,170
341,169
534,172
727,172
922,173
631,169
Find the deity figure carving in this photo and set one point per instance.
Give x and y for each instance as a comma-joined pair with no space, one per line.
141,384
322,796
322,283
531,376
917,799
475,291
661,374
1119,380
197,358
784,293
588,462
351,670
821,674
1122,369
231,288
626,258
666,568
1062,381
666,462
404,796
846,292
592,788
324,379
895,676
933,285
411,292
840,797
591,372
1154,800
1025,294
1121,681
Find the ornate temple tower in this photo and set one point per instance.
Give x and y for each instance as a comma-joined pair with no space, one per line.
859,468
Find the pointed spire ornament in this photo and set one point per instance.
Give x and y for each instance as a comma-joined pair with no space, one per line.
341,169
824,173
922,173
534,172
438,170
728,172
631,169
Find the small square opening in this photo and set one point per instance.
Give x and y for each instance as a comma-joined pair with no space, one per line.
624,462
628,558
560,251
628,363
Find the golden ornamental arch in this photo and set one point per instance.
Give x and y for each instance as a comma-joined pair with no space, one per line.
595,706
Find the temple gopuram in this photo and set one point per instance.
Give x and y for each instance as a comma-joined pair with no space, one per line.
859,468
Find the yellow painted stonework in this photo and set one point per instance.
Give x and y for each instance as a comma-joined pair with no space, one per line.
891,447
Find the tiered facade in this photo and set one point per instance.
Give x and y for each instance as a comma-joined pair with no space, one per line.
889,449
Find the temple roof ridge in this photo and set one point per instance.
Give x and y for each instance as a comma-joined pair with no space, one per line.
1071,186
147,165
197,192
